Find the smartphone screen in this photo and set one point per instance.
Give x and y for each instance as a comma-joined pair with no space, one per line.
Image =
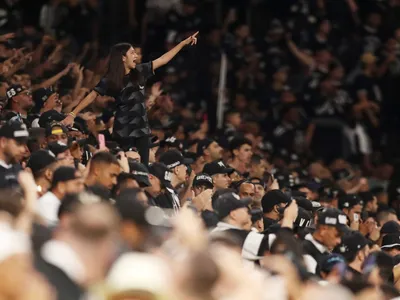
356,217
102,141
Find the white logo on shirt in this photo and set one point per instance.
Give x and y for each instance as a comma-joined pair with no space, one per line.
141,87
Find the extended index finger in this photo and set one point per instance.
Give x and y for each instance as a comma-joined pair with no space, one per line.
194,35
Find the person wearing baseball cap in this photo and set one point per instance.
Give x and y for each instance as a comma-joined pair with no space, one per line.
62,153
56,132
202,182
176,162
219,173
331,225
391,244
42,164
273,204
138,177
235,219
355,249
65,180
161,192
209,149
352,206
19,103
13,139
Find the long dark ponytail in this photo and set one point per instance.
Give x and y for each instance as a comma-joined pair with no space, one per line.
116,70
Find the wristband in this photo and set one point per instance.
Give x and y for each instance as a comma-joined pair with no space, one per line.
72,114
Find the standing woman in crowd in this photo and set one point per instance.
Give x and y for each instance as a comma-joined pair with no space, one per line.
125,81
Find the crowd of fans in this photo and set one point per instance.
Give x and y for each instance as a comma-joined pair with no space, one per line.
296,196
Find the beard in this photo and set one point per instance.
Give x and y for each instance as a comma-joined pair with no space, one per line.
10,158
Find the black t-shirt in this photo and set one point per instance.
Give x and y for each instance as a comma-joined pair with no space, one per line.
131,117
9,175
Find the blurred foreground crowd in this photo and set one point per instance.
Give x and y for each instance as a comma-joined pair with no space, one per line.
296,196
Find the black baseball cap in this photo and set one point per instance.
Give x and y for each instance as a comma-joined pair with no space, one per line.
391,240
217,167
49,117
349,201
14,90
390,227
272,198
140,173
333,217
285,179
57,147
15,130
304,218
227,203
203,180
162,172
203,145
40,160
329,262
173,158
172,142
63,174
351,243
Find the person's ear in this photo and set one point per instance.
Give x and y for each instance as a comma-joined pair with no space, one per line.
235,152
123,58
61,187
48,174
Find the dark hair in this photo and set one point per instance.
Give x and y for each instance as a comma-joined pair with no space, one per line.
256,159
104,158
116,71
11,201
238,142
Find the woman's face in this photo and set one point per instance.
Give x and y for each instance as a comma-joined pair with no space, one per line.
130,58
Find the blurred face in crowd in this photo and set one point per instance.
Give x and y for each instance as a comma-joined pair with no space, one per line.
72,186
241,217
243,154
58,135
372,206
130,59
259,192
214,151
235,120
221,181
325,27
155,188
308,192
66,158
281,76
354,213
139,54
53,102
247,190
23,101
12,150
330,237
106,175
180,173
199,189
258,169
243,31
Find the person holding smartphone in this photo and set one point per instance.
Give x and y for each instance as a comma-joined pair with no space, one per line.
125,81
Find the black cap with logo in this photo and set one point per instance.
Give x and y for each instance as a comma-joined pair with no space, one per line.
349,201
390,227
333,217
203,180
352,242
50,116
162,172
140,173
56,129
15,130
217,167
173,158
14,90
57,147
203,145
228,202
